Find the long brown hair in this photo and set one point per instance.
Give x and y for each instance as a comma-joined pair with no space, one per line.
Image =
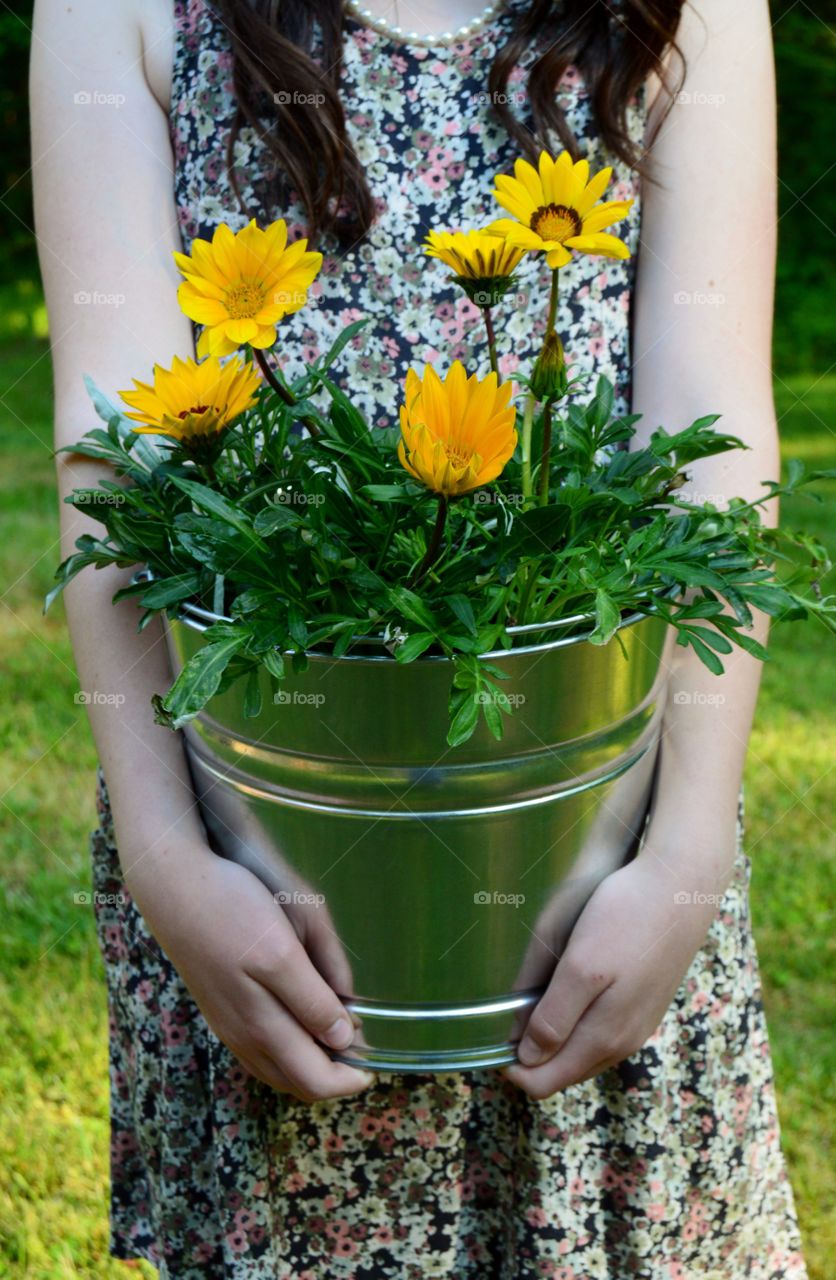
292,102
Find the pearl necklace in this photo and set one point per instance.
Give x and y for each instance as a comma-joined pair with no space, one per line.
369,19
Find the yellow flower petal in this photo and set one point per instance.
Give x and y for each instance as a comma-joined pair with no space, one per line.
241,284
456,434
606,246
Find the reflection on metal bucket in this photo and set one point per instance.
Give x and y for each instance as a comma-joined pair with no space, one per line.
434,887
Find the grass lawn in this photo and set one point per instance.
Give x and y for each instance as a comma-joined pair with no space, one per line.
53,1099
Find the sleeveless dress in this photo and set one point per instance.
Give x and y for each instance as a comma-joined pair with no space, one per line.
666,1167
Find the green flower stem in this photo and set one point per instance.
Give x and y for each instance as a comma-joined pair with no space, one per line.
486,312
546,453
528,419
283,392
553,300
529,583
545,456
435,540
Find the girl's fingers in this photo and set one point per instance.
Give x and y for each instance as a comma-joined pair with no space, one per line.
287,972
590,1049
573,988
280,1045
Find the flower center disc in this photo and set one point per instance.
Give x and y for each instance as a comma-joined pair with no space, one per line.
244,300
556,222
457,456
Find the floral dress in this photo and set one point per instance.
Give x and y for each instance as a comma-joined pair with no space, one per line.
666,1167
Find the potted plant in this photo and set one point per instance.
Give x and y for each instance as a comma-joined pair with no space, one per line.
420,671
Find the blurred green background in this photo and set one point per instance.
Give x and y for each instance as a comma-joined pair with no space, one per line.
53,1091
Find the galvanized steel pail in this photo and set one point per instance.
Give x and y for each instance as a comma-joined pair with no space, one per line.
434,887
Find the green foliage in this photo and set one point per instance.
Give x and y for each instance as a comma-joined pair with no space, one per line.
53,1016
315,541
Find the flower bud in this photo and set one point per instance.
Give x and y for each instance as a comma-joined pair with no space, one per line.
549,380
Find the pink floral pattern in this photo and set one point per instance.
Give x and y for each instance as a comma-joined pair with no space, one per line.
667,1167
421,125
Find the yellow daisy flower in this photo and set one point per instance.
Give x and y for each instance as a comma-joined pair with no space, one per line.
482,264
458,434
192,401
239,286
555,208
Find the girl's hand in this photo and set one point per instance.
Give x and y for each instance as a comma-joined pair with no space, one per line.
249,973
624,962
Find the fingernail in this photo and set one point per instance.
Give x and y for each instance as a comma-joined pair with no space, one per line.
340,1034
530,1053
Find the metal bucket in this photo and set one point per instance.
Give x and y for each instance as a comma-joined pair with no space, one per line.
434,887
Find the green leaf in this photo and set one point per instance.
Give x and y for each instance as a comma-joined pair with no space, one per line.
607,618
385,492
252,696
271,519
274,662
464,721
349,332
540,528
463,610
200,678
414,646
167,591
708,656
600,410
493,718
413,608
208,500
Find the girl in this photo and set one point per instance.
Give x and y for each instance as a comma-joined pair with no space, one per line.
637,1134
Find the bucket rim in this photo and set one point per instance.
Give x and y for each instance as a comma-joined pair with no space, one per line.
196,618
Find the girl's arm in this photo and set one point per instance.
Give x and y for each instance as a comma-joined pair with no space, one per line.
702,344
106,228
